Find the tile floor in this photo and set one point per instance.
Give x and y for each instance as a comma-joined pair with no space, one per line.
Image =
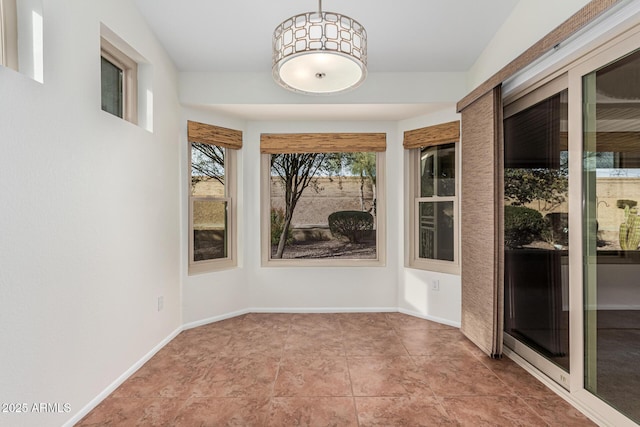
373,369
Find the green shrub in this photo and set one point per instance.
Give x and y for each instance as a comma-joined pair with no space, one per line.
521,226
277,225
622,203
353,225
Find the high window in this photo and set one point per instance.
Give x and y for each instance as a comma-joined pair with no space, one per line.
8,34
432,202
323,199
119,82
212,196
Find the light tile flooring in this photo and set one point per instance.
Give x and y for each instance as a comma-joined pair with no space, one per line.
372,369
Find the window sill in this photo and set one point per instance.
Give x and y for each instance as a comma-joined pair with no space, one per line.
435,266
211,266
323,263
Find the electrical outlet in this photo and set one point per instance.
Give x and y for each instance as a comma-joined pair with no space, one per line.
435,285
160,303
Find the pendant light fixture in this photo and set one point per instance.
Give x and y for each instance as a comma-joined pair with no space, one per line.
319,53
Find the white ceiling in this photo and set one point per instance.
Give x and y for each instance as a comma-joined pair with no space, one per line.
403,35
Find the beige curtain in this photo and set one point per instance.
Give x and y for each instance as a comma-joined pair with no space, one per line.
481,229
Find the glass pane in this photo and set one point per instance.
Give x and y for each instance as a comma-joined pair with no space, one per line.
323,206
209,229
112,92
207,170
438,171
612,234
536,228
427,171
446,170
435,225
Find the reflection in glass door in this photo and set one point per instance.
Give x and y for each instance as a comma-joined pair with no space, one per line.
611,185
536,234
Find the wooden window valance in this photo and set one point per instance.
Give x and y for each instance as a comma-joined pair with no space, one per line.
430,136
282,143
214,135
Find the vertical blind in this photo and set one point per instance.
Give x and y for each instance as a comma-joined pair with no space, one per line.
481,228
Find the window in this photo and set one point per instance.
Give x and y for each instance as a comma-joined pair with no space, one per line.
321,206
9,34
212,192
432,226
119,82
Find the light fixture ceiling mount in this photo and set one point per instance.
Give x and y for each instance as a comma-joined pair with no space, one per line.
319,53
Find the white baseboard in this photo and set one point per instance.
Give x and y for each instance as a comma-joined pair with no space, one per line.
214,319
432,318
323,310
121,379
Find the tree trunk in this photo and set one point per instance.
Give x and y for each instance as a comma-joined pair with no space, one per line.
374,200
361,193
283,237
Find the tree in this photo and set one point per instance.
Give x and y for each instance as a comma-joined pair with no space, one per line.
296,172
364,166
206,161
522,186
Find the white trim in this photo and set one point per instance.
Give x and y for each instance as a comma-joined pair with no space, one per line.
431,318
214,319
121,379
311,310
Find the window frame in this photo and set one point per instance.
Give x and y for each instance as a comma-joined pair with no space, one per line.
230,197
129,69
412,228
265,223
9,34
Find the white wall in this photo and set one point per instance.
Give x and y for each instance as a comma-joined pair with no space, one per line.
89,222
210,296
316,289
415,294
529,22
251,287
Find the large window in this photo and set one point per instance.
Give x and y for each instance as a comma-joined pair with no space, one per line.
432,229
118,82
212,197
323,207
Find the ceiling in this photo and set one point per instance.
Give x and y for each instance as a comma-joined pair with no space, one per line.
403,35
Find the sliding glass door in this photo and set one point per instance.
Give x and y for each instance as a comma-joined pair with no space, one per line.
572,226
536,230
611,237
